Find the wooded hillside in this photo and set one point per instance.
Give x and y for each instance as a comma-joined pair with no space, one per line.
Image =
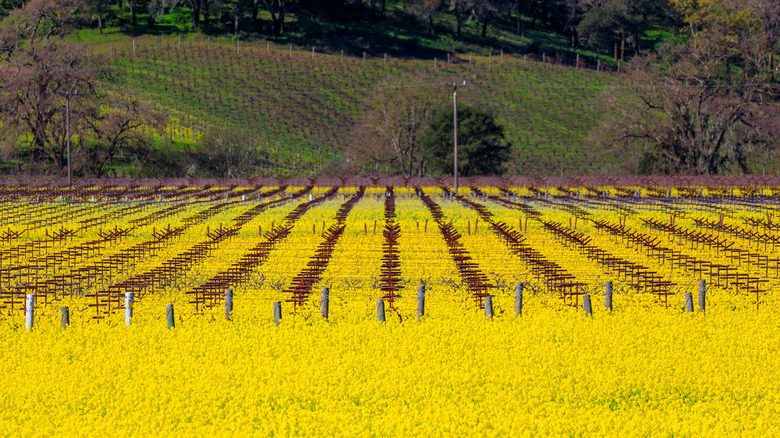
275,87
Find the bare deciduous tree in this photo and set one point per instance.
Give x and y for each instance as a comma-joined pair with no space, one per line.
700,107
395,120
41,70
116,130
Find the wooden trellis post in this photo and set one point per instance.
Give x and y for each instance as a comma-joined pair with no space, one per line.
228,303
277,313
702,295
420,301
688,301
169,316
380,310
488,301
518,299
324,302
65,316
29,312
128,308
587,305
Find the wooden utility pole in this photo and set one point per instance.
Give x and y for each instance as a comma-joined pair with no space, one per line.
67,132
455,126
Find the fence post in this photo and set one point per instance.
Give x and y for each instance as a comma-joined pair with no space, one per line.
169,316
380,310
488,301
420,301
65,316
702,294
587,305
324,302
128,307
228,303
518,299
277,312
689,301
608,295
29,312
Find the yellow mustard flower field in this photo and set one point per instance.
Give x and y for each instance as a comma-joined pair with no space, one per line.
389,311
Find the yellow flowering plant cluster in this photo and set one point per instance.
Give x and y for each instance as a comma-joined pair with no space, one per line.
648,367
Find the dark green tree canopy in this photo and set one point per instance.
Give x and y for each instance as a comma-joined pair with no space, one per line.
482,149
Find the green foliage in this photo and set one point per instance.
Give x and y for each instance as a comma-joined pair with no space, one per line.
605,22
482,149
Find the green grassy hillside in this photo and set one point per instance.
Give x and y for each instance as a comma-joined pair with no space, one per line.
300,107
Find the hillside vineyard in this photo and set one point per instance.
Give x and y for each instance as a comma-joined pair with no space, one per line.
302,106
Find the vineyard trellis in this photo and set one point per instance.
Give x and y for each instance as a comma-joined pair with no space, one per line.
154,240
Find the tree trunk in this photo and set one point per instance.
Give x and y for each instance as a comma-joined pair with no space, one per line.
235,24
401,164
205,10
622,48
280,23
132,11
277,16
598,58
255,10
430,23
520,22
100,22
484,27
384,6
195,14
